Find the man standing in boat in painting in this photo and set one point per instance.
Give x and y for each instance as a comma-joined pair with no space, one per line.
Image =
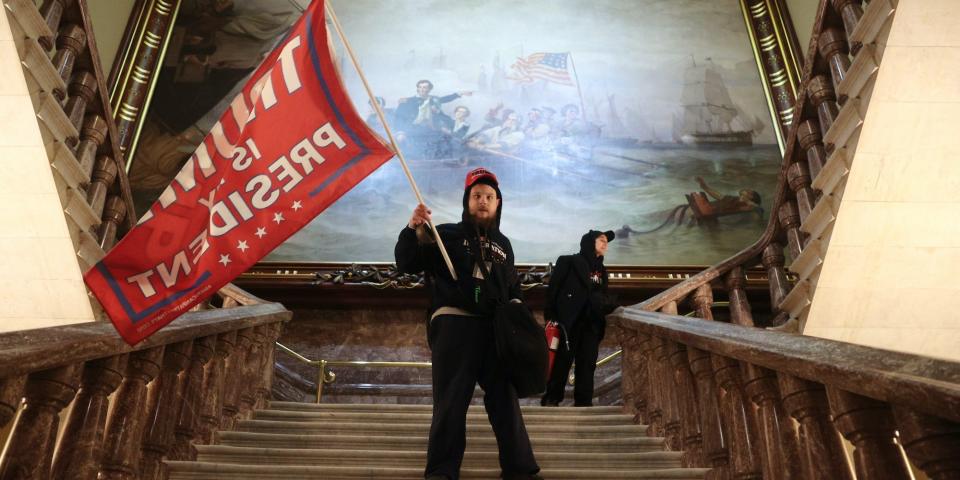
419,119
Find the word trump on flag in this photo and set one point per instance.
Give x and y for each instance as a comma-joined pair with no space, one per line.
289,145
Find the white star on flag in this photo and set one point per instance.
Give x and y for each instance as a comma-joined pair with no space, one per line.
297,205
224,259
242,246
261,232
278,217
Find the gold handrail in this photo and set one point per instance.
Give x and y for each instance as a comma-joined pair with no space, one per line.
327,376
608,358
571,379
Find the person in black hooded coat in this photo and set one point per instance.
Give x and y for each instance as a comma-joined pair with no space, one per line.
460,332
576,299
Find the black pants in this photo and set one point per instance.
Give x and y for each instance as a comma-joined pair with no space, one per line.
464,353
584,344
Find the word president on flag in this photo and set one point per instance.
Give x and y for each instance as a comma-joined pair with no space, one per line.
289,145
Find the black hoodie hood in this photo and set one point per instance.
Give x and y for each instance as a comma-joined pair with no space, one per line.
588,246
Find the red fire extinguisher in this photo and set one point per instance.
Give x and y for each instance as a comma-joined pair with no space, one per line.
553,342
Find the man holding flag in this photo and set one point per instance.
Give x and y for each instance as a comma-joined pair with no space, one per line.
460,331
289,145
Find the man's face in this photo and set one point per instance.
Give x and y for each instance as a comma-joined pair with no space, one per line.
572,114
600,244
534,115
423,89
461,113
511,120
482,203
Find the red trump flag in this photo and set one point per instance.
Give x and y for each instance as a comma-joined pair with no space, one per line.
289,145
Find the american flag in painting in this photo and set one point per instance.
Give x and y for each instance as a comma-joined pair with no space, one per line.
551,67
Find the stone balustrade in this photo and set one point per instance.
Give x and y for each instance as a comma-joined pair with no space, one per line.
160,390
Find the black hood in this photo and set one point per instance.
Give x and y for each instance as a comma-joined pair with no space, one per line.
465,216
588,246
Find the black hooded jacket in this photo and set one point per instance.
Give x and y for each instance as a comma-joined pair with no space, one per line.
577,288
461,241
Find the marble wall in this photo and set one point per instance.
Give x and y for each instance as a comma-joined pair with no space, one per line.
41,284
889,276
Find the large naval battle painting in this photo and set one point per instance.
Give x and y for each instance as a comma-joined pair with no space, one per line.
646,117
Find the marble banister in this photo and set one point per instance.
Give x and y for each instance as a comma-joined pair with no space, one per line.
821,450
31,443
188,416
688,406
121,446
84,364
778,437
830,388
869,425
82,89
163,408
71,42
753,385
850,11
81,448
52,11
931,386
930,443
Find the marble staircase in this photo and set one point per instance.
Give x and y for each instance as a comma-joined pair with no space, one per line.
352,441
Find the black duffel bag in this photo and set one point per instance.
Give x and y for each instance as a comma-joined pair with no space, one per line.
522,348
520,340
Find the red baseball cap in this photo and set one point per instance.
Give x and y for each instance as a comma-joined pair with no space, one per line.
478,174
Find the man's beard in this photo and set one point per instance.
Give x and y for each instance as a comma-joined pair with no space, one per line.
485,222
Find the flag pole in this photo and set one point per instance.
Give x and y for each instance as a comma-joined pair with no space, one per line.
583,108
393,141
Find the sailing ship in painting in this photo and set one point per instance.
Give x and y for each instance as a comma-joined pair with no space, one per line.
440,127
709,116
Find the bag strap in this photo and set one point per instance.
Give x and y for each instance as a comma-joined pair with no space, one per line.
486,273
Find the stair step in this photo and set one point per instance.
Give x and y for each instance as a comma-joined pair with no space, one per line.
415,408
375,441
414,458
420,429
222,471
473,416
481,443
